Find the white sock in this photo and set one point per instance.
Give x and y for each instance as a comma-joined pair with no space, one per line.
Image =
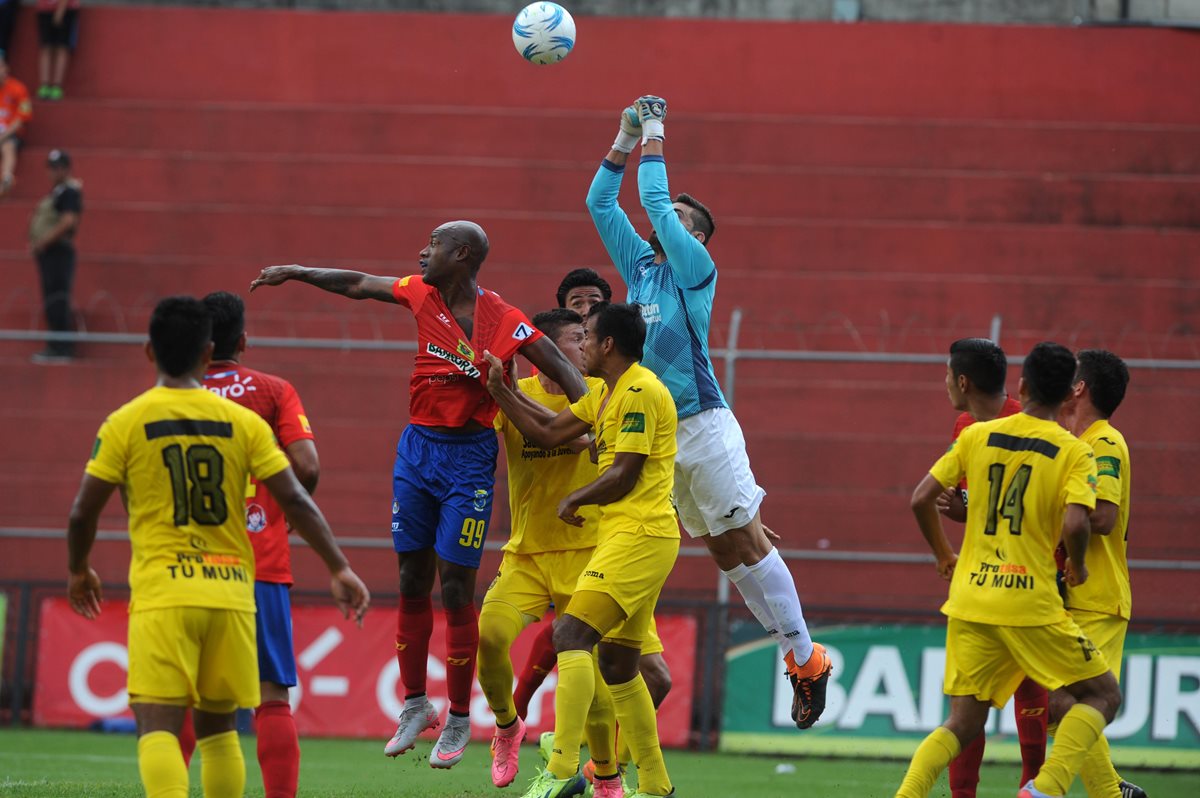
783,602
756,602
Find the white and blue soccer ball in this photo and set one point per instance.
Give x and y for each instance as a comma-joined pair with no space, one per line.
544,33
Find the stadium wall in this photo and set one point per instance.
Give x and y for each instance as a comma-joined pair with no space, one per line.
883,188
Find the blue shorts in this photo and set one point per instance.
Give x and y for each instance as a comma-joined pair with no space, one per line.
442,491
276,656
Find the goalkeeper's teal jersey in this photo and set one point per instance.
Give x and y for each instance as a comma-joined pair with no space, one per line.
676,295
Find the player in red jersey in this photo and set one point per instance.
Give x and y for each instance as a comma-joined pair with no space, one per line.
975,375
444,476
277,402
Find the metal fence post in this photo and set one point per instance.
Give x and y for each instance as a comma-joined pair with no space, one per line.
24,610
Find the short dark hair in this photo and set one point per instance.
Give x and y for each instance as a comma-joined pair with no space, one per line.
1049,373
702,218
577,278
180,329
228,313
1106,376
552,322
624,324
982,361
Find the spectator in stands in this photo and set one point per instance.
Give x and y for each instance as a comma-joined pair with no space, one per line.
8,18
52,242
15,113
58,33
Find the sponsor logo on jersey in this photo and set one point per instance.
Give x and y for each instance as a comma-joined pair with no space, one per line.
96,447
304,425
444,319
464,365
522,332
651,313
395,506
239,387
256,518
594,574
634,422
1109,466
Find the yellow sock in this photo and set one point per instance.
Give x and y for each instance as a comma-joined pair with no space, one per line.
933,755
222,768
624,755
1078,731
639,725
499,626
601,729
1098,774
160,762
572,702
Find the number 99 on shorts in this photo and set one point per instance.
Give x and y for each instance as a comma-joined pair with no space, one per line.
473,532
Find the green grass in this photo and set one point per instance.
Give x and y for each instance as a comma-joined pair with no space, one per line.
59,764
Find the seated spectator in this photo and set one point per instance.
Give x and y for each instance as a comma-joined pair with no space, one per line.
52,243
15,113
58,33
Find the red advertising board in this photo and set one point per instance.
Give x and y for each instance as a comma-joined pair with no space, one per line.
349,679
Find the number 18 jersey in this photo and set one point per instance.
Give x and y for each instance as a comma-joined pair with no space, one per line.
1023,472
185,457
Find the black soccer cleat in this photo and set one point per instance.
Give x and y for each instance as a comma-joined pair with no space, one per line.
1129,790
808,686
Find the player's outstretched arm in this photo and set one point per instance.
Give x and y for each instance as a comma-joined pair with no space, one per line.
924,507
611,486
356,285
1076,534
550,360
625,247
536,422
302,513
83,585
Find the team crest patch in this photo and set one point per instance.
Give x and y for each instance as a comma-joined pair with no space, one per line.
395,506
480,501
522,332
256,518
304,425
465,350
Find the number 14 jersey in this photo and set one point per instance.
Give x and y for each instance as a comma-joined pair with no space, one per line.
1023,472
185,457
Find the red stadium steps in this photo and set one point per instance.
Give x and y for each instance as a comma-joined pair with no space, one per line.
498,134
526,185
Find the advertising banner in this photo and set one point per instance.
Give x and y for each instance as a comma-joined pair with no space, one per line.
349,678
885,695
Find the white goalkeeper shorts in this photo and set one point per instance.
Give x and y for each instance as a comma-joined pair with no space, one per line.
715,489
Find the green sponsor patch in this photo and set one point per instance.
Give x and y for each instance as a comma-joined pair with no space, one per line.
634,422
95,448
1109,466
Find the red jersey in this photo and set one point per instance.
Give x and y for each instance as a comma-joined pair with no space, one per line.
279,405
1010,408
449,379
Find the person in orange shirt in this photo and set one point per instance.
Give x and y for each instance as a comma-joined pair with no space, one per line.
15,112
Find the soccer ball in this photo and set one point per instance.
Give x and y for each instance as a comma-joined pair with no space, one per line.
544,33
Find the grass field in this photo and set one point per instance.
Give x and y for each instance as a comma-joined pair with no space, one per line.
55,764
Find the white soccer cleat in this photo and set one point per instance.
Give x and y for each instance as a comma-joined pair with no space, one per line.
417,716
452,744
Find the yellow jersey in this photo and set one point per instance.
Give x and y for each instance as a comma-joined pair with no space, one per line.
1107,588
640,417
185,458
1023,472
538,479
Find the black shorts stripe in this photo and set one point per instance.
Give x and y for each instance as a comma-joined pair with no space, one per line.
1014,443
188,426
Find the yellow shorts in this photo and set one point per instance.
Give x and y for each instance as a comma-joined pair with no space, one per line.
989,662
532,582
1107,632
630,570
193,656
653,644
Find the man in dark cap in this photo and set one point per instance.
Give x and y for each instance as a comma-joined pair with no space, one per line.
52,243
